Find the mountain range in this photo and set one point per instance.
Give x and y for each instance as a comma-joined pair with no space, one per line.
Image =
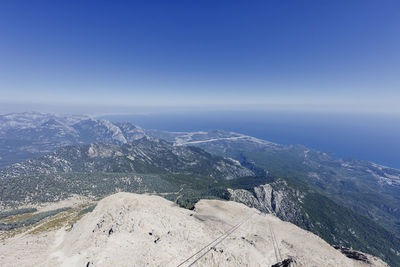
29,134
351,203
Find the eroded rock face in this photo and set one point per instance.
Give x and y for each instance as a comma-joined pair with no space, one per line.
353,254
276,198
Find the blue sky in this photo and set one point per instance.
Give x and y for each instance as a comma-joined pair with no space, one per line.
296,55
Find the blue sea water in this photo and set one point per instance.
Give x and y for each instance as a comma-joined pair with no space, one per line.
374,138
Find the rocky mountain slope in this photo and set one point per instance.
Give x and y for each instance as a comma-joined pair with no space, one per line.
126,229
29,134
145,155
312,211
145,165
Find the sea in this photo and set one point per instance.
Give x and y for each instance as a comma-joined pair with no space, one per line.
371,137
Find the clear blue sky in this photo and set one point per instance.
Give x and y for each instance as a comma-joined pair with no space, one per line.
323,55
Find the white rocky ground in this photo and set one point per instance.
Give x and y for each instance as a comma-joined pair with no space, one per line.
141,230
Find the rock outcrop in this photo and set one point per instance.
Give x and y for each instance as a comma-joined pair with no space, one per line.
276,198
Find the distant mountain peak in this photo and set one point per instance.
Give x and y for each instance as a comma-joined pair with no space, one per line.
28,134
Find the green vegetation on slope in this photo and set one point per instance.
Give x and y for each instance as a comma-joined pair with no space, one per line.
6,214
341,226
30,220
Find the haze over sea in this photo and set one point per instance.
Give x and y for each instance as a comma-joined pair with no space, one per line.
369,137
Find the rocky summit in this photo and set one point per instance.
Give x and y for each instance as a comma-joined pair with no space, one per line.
128,229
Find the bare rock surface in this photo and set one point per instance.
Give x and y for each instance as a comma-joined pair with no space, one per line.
128,229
